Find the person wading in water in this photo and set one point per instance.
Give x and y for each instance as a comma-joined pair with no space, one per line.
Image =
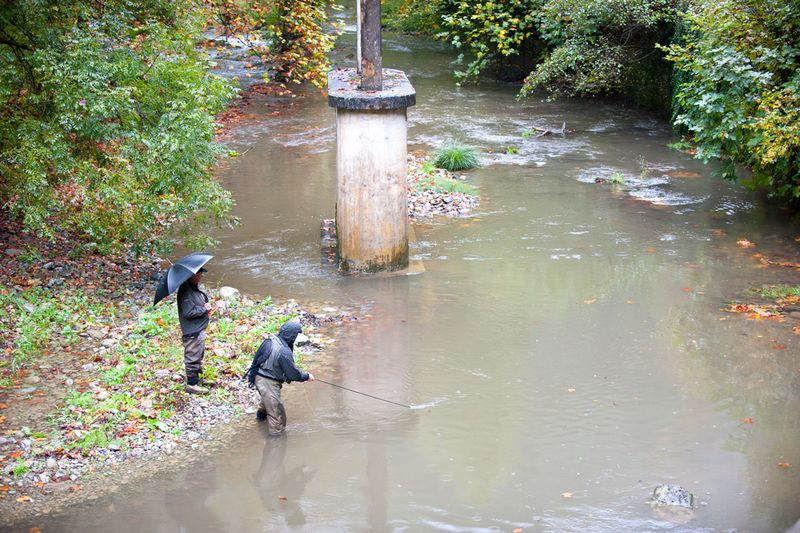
272,366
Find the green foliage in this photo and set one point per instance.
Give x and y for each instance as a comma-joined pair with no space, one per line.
158,321
594,46
107,121
31,320
116,375
488,31
94,438
739,99
300,43
19,468
296,31
412,16
617,178
454,157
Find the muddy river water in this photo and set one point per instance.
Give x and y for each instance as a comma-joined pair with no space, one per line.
566,347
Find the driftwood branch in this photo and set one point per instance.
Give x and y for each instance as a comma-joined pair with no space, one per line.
549,131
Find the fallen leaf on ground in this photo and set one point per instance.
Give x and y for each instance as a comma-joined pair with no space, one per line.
744,243
785,465
570,390
282,498
796,330
687,289
747,420
518,530
566,494
4,488
2,419
75,488
590,302
16,455
23,499
34,530
754,310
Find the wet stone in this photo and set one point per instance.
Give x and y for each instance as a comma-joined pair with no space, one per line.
228,292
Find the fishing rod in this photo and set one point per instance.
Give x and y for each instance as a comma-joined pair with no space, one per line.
363,393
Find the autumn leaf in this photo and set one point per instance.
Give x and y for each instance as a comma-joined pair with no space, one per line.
687,289
744,243
282,498
518,530
34,530
785,465
16,455
2,419
747,420
75,488
590,302
4,488
23,499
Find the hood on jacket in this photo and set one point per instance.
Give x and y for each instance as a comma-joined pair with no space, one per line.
289,332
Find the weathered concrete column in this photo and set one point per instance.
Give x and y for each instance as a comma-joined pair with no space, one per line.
371,170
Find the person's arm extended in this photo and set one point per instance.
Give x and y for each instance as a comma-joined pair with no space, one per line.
291,372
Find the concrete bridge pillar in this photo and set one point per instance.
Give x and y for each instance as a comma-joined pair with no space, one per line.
371,170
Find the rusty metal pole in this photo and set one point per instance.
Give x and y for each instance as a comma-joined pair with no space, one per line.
370,40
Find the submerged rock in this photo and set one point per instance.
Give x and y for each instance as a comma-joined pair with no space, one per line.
673,503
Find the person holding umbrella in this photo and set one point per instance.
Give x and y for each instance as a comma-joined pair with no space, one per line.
194,311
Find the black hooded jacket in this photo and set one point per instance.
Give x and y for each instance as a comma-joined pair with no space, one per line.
280,366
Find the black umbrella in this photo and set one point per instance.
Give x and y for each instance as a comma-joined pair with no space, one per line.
183,269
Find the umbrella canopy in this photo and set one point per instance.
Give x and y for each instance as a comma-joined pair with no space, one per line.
183,269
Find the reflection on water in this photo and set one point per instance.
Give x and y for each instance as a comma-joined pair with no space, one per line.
564,348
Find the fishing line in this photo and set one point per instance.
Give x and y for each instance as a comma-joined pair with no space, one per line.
364,394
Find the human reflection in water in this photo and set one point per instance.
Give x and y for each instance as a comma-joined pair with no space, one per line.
189,500
280,489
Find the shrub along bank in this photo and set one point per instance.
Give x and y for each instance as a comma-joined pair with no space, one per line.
726,71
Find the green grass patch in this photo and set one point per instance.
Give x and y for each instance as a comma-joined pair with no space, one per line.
440,184
455,157
778,292
617,178
19,468
37,319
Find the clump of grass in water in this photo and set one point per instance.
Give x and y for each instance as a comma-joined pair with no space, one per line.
617,178
779,292
454,157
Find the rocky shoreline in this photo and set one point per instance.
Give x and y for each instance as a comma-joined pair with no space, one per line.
92,381
44,469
